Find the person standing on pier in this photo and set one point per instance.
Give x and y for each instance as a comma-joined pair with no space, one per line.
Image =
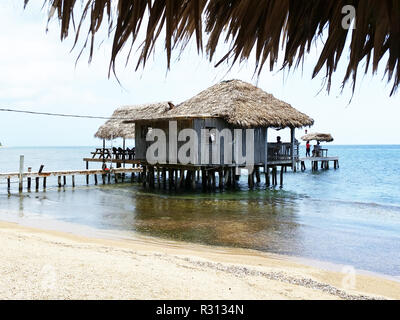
308,149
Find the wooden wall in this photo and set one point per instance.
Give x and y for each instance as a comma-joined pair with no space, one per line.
260,138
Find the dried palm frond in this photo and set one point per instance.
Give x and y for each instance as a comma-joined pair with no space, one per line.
239,103
253,26
327,137
118,127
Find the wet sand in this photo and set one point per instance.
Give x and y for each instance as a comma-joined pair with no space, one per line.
40,264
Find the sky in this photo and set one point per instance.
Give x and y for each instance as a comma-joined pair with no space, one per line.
38,72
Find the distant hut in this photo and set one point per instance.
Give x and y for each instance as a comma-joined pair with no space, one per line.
228,105
317,136
116,127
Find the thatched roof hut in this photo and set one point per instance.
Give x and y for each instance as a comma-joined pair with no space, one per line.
318,137
259,27
240,104
117,127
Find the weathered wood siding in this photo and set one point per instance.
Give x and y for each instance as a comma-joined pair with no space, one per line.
260,138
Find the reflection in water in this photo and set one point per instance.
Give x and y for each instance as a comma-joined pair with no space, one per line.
255,222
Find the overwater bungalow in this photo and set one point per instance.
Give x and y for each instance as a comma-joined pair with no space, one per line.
227,109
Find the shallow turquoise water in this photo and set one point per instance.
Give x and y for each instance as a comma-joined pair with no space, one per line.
347,216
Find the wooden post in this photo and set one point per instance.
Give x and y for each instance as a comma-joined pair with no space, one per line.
193,179
250,179
37,184
144,173
221,178
204,178
151,182
116,177
95,179
176,179
267,182
281,176
274,176
164,177
292,138
64,180
123,147
87,176
170,178
103,177
21,170
8,184
29,179
44,182
73,181
226,178
258,174
59,181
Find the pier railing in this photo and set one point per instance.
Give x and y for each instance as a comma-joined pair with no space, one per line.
283,151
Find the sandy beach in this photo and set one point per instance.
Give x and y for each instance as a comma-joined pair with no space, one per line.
39,264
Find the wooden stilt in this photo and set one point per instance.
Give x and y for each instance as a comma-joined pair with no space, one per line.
193,179
267,181
204,178
44,183
281,176
95,179
73,181
221,178
37,183
257,169
144,176
176,179
250,179
116,178
59,181
87,168
171,178
164,177
29,180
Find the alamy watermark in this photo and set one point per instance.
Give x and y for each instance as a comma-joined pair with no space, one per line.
213,146
349,18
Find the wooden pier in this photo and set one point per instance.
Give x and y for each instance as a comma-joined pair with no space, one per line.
106,176
324,161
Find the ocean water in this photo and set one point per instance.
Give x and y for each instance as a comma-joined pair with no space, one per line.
349,216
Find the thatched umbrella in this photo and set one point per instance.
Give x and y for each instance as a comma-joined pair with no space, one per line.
318,137
240,104
118,127
253,26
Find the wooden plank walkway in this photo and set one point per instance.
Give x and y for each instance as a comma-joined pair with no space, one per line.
314,162
319,159
68,173
119,173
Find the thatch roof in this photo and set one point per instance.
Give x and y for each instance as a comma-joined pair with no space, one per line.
318,137
259,27
240,104
118,127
